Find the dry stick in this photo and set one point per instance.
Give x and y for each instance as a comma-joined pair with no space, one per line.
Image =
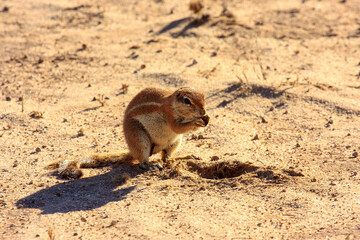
51,233
101,99
22,104
246,78
186,157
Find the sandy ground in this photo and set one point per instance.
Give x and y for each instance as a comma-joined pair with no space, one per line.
279,159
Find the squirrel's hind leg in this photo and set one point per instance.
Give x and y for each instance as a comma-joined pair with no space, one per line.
168,152
139,144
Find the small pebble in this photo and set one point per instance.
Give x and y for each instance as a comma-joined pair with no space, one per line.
81,132
113,223
256,137
263,120
38,149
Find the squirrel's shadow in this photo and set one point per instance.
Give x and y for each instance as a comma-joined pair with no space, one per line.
80,194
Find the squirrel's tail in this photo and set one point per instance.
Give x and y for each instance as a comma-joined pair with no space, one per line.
71,168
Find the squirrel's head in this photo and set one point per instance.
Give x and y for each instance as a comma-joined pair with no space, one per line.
189,106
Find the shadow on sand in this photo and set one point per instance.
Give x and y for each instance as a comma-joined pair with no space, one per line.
80,194
190,23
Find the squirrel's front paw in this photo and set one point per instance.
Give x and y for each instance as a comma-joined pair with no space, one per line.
203,121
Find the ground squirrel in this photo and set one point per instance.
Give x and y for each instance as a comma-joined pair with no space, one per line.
154,121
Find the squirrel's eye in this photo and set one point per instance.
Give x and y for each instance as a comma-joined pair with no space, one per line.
187,101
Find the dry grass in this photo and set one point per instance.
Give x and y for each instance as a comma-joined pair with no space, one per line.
51,233
124,88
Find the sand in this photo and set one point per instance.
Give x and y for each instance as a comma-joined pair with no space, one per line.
278,160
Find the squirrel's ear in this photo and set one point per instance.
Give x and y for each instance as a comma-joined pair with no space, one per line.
179,94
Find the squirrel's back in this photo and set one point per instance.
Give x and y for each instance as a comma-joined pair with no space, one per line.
148,96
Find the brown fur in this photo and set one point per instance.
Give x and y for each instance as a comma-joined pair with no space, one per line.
154,121
70,170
